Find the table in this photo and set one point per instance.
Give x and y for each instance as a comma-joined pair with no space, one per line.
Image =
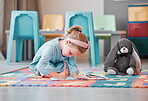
115,36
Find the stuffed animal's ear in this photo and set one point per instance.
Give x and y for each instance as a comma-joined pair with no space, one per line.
134,47
135,54
112,55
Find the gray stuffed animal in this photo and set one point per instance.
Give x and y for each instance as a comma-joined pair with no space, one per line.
124,58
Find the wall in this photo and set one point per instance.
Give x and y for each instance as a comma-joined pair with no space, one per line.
1,27
61,6
8,7
120,9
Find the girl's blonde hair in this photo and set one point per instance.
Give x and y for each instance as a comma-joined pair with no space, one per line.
75,32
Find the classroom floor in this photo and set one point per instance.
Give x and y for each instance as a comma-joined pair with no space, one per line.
68,93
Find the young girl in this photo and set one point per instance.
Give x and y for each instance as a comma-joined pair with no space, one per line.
50,58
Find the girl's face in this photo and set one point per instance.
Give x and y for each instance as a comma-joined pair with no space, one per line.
70,51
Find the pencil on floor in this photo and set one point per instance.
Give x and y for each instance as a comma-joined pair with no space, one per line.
96,75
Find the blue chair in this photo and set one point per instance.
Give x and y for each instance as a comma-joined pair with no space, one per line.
24,26
85,20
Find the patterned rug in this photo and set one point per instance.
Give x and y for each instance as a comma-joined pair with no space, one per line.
24,77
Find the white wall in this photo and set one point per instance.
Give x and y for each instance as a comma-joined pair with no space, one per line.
61,6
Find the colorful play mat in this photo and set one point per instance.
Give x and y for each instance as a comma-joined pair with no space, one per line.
25,78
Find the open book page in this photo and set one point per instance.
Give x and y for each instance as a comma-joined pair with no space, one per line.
67,78
89,78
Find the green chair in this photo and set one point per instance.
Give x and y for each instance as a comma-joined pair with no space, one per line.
104,22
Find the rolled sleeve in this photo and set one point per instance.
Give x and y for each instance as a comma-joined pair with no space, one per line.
44,66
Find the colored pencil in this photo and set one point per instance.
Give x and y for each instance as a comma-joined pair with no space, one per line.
65,67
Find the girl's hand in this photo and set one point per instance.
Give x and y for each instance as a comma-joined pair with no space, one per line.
80,78
63,74
76,76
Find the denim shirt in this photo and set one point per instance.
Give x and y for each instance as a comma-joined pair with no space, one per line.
49,58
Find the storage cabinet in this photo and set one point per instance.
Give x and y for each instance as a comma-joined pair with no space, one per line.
138,13
138,27
141,45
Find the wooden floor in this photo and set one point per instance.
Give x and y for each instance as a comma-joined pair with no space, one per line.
68,93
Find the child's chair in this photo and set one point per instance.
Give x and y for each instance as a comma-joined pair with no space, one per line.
104,22
53,22
85,20
24,26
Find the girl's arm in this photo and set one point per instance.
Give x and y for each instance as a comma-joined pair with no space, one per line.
44,66
71,63
73,68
